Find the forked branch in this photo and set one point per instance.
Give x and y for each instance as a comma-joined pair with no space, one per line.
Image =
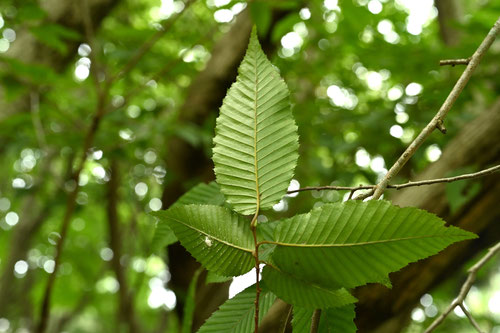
443,111
471,277
478,174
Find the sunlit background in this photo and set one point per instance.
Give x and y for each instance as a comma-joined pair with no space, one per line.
356,111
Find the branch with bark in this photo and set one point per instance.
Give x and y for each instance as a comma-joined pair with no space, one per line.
464,291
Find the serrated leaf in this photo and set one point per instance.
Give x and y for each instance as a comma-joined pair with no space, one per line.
214,278
218,238
353,243
236,315
200,194
333,320
303,293
256,137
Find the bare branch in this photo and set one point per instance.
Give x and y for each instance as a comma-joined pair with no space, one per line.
315,321
478,174
471,277
454,62
471,319
443,111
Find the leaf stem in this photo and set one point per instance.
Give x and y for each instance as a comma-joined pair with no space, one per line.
315,320
253,227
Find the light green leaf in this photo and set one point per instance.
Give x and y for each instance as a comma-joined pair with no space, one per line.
218,238
237,314
353,243
303,293
256,139
301,321
200,194
214,278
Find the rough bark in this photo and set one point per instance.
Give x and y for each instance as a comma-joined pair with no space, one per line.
477,144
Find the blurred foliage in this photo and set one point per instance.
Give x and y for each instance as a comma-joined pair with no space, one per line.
355,77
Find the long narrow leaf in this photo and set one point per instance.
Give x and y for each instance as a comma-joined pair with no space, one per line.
218,238
350,244
256,139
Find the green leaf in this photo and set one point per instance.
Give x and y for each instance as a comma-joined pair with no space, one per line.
261,15
353,243
460,192
200,194
256,137
301,321
218,238
55,36
214,278
237,314
333,320
187,320
303,293
338,320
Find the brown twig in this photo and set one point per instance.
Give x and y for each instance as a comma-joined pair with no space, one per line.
315,320
352,189
471,277
165,27
454,62
253,227
75,177
443,111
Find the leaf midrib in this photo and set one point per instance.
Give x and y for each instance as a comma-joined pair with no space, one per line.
256,171
211,236
383,241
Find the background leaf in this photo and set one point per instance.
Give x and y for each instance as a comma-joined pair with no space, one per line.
256,137
333,320
218,238
350,244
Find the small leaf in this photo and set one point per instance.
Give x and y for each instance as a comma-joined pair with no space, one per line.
353,243
200,194
218,238
256,139
303,293
236,315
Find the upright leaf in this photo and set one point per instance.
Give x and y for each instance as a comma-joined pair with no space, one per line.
256,137
237,314
218,238
189,306
350,244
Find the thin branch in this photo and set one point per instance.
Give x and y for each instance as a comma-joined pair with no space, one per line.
352,189
471,319
471,277
315,321
454,62
165,27
75,177
443,111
